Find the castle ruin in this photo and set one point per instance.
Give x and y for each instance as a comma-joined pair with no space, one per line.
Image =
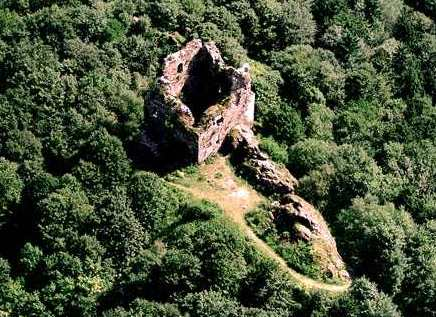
200,99
199,102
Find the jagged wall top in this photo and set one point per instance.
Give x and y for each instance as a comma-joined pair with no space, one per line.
176,65
207,97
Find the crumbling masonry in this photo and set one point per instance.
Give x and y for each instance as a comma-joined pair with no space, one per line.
199,102
201,99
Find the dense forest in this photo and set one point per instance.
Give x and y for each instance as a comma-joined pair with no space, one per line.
345,99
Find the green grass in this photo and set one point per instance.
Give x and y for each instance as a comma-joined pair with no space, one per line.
297,254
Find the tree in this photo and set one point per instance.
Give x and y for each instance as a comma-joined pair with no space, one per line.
373,238
106,161
310,75
145,308
266,85
268,288
221,249
325,10
319,122
418,294
359,123
13,297
356,174
346,34
10,189
119,230
365,300
180,273
22,145
153,202
285,124
308,155
282,24
350,173
63,215
166,14
412,170
209,304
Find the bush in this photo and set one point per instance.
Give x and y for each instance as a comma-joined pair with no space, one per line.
319,122
309,154
276,151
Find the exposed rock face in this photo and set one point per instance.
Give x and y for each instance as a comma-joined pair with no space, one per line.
305,221
272,178
312,227
201,99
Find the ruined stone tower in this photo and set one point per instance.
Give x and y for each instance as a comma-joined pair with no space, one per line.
200,99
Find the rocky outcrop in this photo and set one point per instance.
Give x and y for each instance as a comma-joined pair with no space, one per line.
256,165
304,220
311,226
199,99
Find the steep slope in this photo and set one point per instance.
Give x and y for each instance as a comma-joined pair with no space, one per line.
217,182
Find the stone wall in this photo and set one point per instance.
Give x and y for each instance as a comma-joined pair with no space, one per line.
190,76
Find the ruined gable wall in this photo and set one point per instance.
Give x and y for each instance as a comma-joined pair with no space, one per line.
239,109
206,136
176,68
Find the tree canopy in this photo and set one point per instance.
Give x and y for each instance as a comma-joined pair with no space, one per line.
345,98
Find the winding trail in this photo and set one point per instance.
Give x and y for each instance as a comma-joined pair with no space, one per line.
218,183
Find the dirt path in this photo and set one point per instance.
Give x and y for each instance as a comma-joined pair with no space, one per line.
217,182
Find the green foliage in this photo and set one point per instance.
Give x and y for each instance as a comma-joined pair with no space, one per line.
309,154
319,123
266,85
365,300
350,173
119,229
369,125
22,146
310,75
63,214
280,236
276,151
285,124
180,271
411,167
344,97
282,24
10,188
114,30
221,249
373,238
153,202
346,34
106,162
145,308
418,290
207,304
202,210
